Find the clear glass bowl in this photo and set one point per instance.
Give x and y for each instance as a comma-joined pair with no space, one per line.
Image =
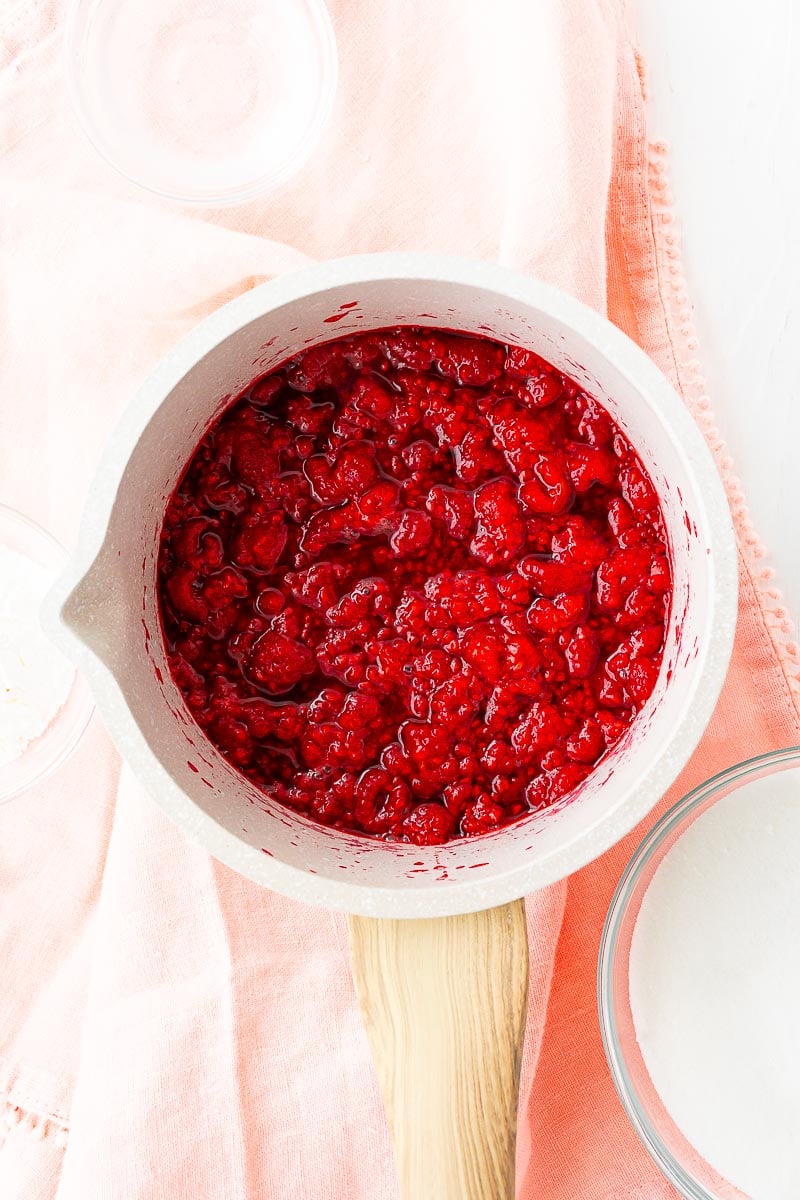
48,751
680,1162
202,101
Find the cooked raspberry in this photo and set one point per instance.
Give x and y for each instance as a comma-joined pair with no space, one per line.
456,796
641,607
378,503
523,655
318,586
454,703
395,761
429,668
255,457
498,756
291,621
612,725
443,414
589,465
391,666
500,534
429,825
551,616
183,587
544,389
355,470
413,533
307,417
524,363
521,436
219,492
514,591
372,397
318,367
264,390
564,780
351,473
620,516
232,737
481,816
292,494
328,744
420,456
475,458
484,648
553,579
547,489
407,348
424,742
554,667
471,362
587,744
631,669
582,653
266,719
325,528
187,539
502,708
326,705
646,642
551,786
461,598
359,710
340,654
414,585
577,542
363,351
613,691
327,807
260,544
540,728
642,678
637,488
368,599
454,509
595,425
382,801
660,577
619,574
223,588
278,662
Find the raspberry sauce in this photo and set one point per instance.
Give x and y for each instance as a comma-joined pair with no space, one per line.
414,584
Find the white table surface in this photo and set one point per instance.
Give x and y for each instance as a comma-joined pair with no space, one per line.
725,95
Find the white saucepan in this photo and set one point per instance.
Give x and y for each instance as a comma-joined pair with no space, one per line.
104,610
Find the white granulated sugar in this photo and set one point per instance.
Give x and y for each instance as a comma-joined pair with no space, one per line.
34,678
715,986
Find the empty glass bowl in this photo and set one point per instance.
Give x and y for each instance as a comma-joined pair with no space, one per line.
202,101
686,1169
41,756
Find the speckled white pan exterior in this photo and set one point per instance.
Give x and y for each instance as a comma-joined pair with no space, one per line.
104,614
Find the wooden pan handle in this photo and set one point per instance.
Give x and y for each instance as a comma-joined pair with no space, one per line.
444,1007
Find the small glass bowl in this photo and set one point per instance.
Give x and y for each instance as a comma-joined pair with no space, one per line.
678,1160
47,752
205,102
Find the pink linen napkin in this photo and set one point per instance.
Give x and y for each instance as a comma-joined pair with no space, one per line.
166,1027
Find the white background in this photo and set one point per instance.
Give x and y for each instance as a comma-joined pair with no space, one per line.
725,94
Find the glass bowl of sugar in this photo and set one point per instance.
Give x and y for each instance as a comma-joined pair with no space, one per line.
699,985
45,705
